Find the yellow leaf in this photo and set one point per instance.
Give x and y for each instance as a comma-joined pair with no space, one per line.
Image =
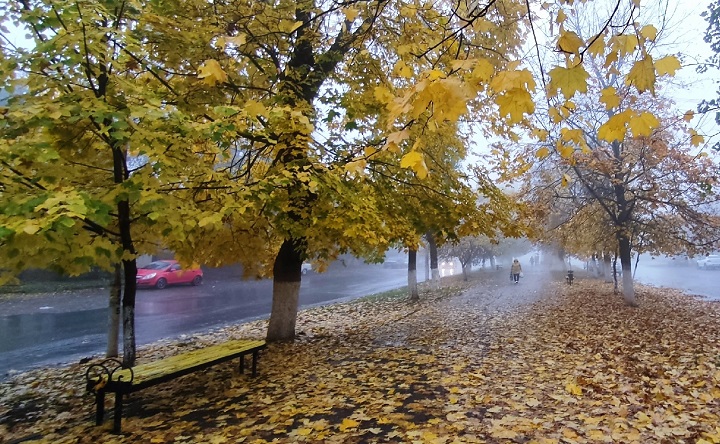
401,69
643,124
568,80
688,116
561,17
254,109
571,387
615,128
610,59
566,151
288,26
609,97
555,115
351,14
238,40
597,47
515,103
483,70
649,32
532,402
396,139
625,44
512,79
31,228
570,42
642,75
695,138
348,423
667,65
415,161
540,134
304,431
572,135
383,95
356,166
500,432
211,72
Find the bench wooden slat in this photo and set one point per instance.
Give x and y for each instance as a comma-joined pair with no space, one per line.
103,378
195,358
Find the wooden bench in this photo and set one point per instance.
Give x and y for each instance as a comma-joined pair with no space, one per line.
109,376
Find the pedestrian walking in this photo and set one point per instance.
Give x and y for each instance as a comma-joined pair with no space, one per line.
516,270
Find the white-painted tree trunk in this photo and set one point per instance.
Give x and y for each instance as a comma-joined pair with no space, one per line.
412,285
284,310
628,288
607,268
435,279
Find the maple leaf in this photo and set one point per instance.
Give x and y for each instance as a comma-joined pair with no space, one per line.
542,153
695,138
403,70
642,124
350,13
415,161
568,80
516,102
597,47
642,75
615,128
667,65
483,70
212,73
649,32
625,43
348,423
570,42
573,388
609,97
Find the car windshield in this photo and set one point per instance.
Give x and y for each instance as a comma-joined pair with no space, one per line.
159,265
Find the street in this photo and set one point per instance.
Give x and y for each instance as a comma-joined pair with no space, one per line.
68,327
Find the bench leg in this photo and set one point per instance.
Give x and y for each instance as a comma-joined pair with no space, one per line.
117,420
254,363
242,364
99,406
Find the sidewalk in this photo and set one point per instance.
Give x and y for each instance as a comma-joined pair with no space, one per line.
537,362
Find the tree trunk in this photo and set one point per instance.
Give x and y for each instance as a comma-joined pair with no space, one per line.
412,276
607,267
435,272
128,312
287,273
427,265
113,331
465,272
626,262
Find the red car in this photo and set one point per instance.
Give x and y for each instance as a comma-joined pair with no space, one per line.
160,274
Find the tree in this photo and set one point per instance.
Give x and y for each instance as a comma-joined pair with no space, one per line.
90,158
253,124
712,36
637,170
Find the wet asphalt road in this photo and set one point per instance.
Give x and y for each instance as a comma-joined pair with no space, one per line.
68,327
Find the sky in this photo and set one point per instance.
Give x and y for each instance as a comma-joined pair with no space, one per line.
689,32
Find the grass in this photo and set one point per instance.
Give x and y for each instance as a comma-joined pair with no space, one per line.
52,286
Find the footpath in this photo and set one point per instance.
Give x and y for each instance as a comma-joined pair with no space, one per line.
479,362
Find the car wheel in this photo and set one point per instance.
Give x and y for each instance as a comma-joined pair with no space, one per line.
161,283
197,280
304,271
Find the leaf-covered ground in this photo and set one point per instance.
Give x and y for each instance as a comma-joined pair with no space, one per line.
539,362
